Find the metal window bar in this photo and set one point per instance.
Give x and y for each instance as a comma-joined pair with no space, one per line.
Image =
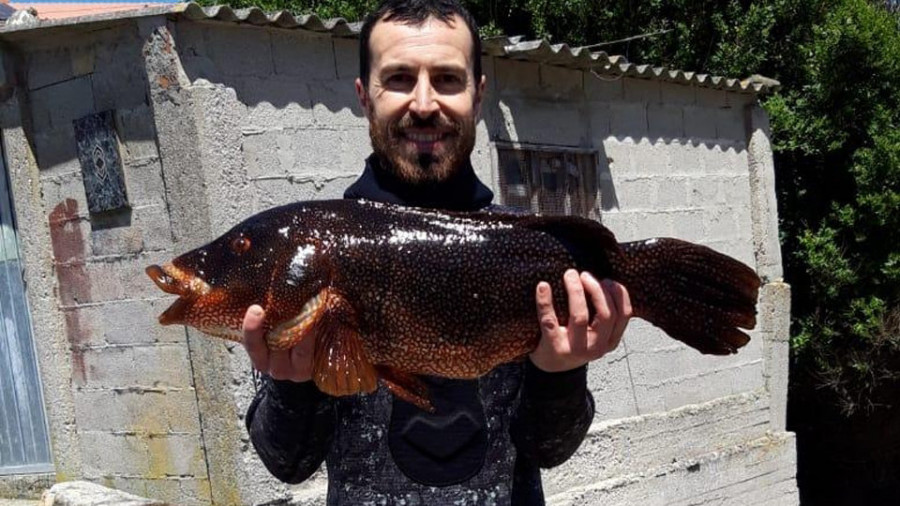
548,181
24,441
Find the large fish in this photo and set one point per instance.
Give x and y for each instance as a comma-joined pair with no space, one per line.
393,292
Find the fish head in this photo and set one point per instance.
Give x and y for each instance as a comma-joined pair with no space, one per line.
256,262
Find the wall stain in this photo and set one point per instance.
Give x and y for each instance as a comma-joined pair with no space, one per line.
69,251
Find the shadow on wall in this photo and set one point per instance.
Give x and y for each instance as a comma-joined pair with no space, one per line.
283,68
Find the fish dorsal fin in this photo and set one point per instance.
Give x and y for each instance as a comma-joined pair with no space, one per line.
589,242
340,365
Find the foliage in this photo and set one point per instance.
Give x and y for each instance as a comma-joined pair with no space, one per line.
836,141
838,156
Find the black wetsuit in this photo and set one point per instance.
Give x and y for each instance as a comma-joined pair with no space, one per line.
483,445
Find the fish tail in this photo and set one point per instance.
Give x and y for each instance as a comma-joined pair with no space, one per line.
693,293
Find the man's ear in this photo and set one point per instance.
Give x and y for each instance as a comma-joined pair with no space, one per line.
362,96
480,90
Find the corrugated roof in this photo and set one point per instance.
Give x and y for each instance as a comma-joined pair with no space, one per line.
539,51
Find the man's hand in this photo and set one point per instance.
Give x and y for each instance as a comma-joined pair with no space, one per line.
294,364
581,341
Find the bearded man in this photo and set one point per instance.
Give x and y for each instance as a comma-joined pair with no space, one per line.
421,89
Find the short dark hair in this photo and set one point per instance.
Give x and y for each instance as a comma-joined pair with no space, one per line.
415,13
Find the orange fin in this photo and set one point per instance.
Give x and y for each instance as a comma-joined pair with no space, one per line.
340,366
406,386
289,333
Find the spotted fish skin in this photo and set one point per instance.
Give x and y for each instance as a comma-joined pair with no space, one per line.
392,292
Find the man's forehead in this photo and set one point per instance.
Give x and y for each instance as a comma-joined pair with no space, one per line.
389,34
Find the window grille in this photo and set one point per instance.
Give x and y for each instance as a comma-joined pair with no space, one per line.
548,181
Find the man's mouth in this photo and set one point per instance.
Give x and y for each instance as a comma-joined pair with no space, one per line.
425,141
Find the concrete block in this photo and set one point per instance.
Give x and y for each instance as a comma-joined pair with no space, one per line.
764,207
603,88
628,120
650,159
610,382
543,122
679,94
119,80
142,412
192,491
240,50
48,66
106,453
516,78
712,98
307,55
652,224
561,83
155,366
58,104
275,104
753,473
275,192
137,134
637,193
176,455
705,191
719,223
148,230
673,194
699,123
599,117
774,322
335,104
346,57
688,225
665,122
116,278
642,90
55,149
83,59
731,124
635,445
685,159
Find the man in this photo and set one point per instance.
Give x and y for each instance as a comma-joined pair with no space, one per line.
421,89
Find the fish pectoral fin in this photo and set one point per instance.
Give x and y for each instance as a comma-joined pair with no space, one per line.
405,386
340,366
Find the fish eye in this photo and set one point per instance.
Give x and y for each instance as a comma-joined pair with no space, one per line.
240,244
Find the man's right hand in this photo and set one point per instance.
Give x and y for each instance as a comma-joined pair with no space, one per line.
294,364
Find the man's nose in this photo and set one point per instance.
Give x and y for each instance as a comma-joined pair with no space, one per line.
424,104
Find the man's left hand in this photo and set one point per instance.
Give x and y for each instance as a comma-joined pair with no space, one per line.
583,339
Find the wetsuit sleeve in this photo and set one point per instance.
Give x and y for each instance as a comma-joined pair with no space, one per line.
554,415
291,427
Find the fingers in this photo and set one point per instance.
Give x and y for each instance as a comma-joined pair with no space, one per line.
546,313
294,364
619,297
254,338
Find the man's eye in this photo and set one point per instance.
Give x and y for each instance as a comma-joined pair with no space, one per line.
399,79
449,79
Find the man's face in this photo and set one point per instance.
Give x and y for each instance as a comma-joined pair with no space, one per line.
422,100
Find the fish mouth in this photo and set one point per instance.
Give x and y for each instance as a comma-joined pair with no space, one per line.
175,281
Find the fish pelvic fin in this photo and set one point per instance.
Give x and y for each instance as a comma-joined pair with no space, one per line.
406,386
693,293
340,365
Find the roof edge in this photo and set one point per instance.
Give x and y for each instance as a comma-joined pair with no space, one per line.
515,47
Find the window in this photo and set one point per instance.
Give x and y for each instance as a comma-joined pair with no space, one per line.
550,181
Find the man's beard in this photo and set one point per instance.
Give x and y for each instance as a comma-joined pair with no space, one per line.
415,168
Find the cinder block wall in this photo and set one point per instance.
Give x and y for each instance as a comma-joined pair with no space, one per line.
217,121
